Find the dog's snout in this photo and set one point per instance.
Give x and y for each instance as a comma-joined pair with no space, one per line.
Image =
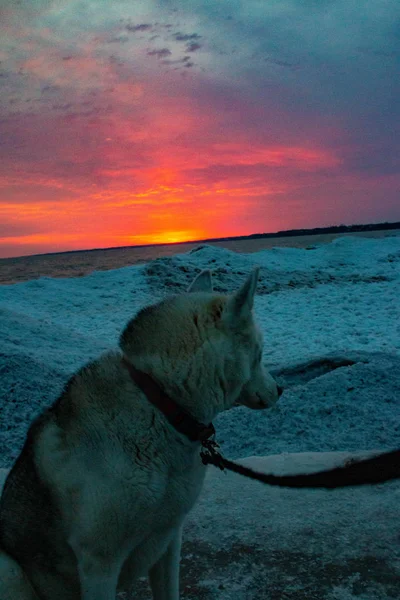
280,390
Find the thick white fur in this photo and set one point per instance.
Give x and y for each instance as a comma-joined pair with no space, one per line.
122,476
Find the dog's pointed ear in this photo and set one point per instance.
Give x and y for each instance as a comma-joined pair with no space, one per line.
241,303
202,283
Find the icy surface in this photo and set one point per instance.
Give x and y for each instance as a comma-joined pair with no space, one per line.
330,316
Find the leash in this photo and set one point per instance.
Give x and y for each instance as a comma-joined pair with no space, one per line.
377,469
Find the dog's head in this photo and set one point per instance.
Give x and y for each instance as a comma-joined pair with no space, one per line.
205,346
244,358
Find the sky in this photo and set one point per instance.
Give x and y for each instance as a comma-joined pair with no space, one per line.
126,123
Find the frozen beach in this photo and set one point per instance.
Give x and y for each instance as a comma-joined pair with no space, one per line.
330,316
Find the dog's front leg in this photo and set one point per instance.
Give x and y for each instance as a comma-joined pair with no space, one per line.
99,587
98,576
164,574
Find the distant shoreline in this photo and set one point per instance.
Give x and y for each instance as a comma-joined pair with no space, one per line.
79,263
334,229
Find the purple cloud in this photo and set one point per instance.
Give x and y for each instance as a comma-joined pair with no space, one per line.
186,37
192,47
140,27
161,53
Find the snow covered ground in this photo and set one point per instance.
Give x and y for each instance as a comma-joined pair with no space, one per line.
330,317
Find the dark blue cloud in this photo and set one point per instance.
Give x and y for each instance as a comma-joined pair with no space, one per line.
140,27
186,37
160,52
192,47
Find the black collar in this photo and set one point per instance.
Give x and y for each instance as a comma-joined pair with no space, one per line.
176,415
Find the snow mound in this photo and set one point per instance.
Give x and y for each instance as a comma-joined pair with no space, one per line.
341,262
325,406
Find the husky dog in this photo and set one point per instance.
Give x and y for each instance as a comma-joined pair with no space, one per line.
101,488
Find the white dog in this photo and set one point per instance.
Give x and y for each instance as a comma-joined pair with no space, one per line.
101,488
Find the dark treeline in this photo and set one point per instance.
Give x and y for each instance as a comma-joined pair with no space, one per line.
314,231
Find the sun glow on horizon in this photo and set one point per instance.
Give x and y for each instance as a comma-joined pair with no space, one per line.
168,237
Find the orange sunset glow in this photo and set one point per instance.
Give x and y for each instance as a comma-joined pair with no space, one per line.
129,123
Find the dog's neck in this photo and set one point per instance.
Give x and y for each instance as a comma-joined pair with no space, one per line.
179,418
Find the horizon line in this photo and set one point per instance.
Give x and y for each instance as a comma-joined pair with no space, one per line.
282,233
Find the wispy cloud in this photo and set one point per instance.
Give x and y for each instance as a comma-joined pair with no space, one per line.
192,47
186,37
140,27
159,53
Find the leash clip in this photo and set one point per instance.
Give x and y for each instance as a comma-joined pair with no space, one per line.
210,455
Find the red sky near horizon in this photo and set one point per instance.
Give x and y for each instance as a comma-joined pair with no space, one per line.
132,123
